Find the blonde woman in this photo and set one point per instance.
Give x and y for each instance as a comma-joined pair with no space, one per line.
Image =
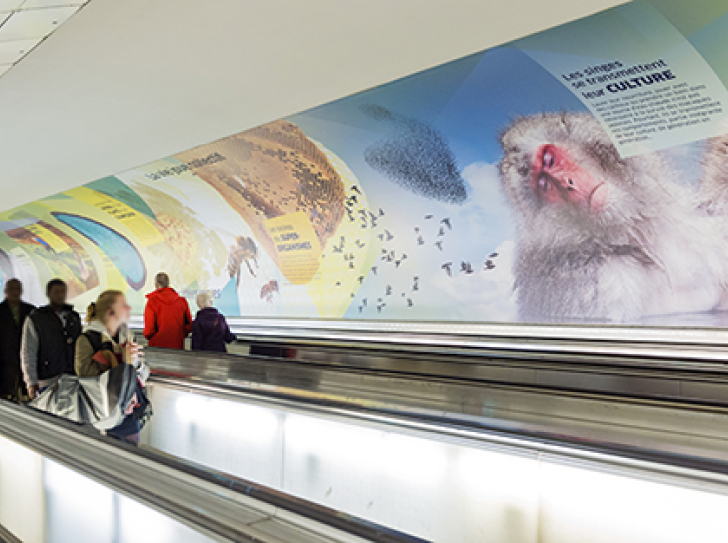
105,343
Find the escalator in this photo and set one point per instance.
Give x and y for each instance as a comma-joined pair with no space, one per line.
65,483
450,459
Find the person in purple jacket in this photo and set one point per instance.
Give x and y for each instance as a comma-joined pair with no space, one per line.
210,330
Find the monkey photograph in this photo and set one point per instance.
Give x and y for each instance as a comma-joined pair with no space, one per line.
606,238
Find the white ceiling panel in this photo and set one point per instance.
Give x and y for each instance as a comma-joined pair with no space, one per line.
34,23
9,5
4,68
124,82
12,51
33,4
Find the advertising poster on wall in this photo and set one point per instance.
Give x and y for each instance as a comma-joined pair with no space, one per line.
579,175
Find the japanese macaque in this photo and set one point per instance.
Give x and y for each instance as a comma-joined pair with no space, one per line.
714,186
608,238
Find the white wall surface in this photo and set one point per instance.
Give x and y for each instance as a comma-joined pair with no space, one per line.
125,82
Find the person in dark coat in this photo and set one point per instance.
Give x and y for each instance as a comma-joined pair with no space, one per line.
49,338
210,330
13,312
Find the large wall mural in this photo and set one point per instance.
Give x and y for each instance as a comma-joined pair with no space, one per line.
577,175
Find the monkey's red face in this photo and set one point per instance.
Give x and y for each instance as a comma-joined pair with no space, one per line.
566,181
558,179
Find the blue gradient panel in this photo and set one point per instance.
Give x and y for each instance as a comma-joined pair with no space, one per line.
115,246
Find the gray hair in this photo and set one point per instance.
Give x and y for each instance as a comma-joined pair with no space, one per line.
204,300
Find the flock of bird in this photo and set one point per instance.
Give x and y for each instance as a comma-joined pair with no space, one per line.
388,255
391,257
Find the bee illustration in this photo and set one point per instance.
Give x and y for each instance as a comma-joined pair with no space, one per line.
244,250
270,288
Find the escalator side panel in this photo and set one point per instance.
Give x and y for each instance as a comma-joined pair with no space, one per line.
21,491
435,487
43,501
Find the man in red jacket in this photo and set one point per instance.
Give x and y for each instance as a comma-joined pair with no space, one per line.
167,317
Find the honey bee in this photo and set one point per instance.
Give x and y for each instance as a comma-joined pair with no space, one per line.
243,250
270,288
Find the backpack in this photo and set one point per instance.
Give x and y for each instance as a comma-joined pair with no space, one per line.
142,411
104,401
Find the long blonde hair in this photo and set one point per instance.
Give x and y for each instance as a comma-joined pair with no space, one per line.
97,310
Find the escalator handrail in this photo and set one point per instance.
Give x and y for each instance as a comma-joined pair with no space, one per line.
199,497
664,346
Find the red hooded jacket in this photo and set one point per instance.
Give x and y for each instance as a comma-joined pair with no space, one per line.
167,319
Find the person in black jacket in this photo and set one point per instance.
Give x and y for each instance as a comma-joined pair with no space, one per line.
49,339
13,312
210,330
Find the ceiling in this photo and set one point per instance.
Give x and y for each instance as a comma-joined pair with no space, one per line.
26,23
124,82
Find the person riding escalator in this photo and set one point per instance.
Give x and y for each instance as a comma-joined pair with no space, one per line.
107,343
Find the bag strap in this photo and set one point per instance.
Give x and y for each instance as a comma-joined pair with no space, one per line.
95,339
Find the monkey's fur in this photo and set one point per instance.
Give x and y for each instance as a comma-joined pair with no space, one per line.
653,247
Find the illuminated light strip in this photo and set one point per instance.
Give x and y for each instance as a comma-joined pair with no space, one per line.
641,463
508,471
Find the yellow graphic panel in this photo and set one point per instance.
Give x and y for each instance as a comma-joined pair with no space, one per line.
297,246
144,230
53,241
